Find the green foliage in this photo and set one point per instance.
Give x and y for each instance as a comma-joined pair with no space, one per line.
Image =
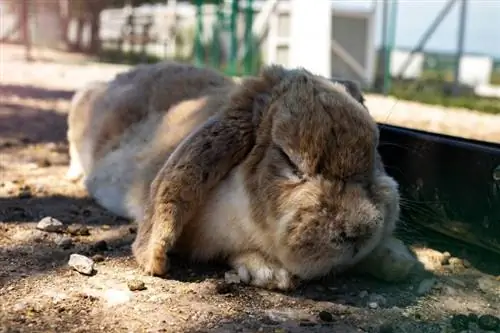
116,56
437,92
495,75
215,54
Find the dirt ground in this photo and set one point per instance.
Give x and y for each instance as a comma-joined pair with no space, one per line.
39,292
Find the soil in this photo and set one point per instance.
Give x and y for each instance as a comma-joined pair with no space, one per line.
40,292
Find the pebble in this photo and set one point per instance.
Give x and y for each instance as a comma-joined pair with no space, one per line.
136,285
376,298
445,259
100,246
78,230
460,322
232,277
325,316
224,288
81,264
373,305
456,263
488,322
50,224
98,258
25,194
64,242
425,286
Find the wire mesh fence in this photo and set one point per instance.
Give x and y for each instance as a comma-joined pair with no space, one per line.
238,37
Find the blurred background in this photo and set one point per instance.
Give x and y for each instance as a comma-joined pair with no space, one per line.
443,54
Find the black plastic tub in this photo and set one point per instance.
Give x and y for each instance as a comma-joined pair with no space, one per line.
449,184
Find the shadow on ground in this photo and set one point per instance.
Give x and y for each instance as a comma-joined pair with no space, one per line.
22,91
24,121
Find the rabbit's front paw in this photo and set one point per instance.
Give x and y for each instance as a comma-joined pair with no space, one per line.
254,269
391,261
153,261
74,173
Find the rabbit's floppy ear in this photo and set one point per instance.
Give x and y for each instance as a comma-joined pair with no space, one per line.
352,87
197,165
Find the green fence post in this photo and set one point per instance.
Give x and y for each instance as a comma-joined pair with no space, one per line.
217,28
233,53
198,48
249,38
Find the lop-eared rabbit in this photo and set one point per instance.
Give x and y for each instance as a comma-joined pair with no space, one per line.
277,174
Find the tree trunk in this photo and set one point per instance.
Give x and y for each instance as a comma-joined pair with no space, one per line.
94,8
64,19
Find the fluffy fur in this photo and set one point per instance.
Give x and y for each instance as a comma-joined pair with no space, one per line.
278,174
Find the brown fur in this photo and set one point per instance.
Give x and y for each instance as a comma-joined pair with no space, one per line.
299,150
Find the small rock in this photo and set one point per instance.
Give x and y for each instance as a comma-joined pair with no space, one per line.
64,242
456,263
445,259
81,264
105,227
363,294
50,224
488,322
373,305
425,286
136,285
379,299
100,246
325,316
78,230
232,277
224,288
25,194
460,322
44,163
98,258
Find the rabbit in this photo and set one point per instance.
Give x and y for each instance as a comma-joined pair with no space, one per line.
278,174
